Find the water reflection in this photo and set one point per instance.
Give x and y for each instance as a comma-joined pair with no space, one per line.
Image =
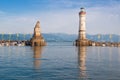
37,56
82,61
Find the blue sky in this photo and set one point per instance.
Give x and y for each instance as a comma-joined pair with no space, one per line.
59,16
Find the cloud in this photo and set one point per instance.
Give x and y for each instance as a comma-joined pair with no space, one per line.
103,20
2,13
51,22
64,21
16,24
99,19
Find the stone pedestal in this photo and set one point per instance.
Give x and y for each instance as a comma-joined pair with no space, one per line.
38,41
83,42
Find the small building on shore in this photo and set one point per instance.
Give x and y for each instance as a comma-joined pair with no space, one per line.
37,39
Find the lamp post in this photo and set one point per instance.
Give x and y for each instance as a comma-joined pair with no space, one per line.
24,37
17,35
9,37
31,34
99,37
118,38
110,36
2,36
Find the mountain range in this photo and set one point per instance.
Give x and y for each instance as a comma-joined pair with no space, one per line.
62,37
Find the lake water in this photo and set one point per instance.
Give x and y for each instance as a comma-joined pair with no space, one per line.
59,61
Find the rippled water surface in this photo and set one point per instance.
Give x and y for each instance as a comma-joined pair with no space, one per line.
59,61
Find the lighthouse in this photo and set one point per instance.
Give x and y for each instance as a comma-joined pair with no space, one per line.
82,40
82,24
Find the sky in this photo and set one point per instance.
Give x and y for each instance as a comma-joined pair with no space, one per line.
59,16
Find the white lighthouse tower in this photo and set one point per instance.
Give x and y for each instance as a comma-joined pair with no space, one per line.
82,40
82,24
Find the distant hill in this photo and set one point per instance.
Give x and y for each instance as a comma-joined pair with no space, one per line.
61,37
104,37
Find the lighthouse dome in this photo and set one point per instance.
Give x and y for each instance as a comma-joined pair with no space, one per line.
82,12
